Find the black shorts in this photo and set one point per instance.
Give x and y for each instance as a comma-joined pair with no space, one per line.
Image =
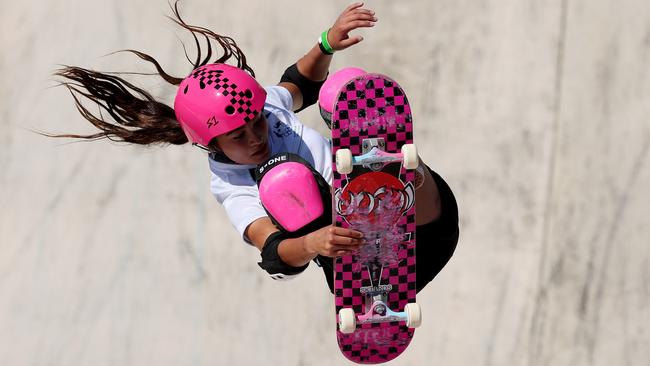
435,241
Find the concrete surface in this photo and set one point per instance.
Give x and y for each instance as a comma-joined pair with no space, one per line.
536,112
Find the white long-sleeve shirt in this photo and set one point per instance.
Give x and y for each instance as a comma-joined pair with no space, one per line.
232,184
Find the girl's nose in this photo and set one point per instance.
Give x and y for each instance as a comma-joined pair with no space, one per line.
255,138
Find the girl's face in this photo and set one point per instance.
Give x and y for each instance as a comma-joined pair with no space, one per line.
248,144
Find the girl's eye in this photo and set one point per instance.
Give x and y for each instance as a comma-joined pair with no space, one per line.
258,122
237,137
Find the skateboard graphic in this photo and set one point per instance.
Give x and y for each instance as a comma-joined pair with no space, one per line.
373,162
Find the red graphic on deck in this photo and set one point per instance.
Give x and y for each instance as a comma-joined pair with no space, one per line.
374,199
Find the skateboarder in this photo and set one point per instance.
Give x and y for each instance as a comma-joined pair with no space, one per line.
241,125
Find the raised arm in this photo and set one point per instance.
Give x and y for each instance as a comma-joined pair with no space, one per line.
304,78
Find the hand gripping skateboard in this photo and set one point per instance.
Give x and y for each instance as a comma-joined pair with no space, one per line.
374,158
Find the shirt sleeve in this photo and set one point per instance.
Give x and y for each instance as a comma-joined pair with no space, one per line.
238,195
279,96
325,163
319,152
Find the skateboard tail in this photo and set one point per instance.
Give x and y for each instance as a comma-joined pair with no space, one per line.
382,344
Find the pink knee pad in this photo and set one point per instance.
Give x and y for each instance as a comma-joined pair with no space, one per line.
289,192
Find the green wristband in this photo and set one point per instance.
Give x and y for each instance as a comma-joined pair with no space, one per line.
326,45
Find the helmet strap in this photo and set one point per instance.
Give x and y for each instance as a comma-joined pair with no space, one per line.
201,147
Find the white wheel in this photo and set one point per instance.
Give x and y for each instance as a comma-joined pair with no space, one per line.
413,315
344,161
410,156
347,321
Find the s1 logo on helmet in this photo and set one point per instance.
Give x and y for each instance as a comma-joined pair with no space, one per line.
212,122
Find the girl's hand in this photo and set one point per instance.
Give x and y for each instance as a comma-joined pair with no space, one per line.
353,17
333,241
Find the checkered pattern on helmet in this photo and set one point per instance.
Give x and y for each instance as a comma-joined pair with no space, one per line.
241,102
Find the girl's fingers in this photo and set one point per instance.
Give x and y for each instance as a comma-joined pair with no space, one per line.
341,253
344,250
340,231
350,41
346,28
365,15
347,241
353,6
364,11
350,26
352,19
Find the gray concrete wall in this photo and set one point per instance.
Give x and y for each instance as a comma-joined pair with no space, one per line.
536,112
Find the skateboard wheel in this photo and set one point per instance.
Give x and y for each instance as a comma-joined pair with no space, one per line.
413,315
347,321
410,156
344,161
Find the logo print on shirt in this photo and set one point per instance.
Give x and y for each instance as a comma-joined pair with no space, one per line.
281,130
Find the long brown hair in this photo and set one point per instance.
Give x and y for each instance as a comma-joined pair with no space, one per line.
137,117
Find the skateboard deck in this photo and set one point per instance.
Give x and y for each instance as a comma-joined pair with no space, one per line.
372,117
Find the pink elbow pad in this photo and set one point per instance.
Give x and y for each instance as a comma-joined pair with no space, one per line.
290,192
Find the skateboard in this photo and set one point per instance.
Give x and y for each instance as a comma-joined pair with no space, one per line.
373,180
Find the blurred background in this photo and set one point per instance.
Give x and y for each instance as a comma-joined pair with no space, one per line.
535,112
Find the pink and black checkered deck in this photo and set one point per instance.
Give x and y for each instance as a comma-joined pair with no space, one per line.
373,106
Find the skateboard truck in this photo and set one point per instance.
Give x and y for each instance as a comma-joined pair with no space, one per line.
371,148
369,144
377,309
379,313
375,157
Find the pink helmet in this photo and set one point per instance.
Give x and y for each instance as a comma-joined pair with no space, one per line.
330,90
216,99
